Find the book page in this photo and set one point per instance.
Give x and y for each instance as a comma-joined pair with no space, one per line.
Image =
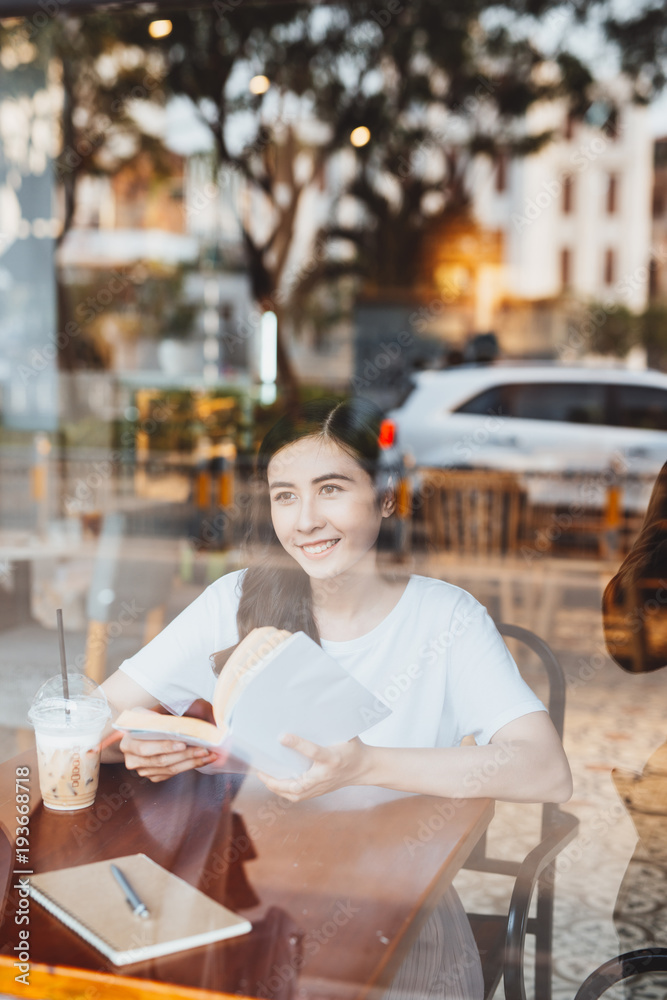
303,691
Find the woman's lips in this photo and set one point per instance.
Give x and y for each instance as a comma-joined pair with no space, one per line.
318,550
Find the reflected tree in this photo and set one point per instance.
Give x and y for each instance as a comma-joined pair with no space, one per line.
282,86
435,83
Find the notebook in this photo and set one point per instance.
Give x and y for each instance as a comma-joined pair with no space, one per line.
90,902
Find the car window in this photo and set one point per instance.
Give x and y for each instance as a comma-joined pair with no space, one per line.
640,406
488,402
572,402
569,402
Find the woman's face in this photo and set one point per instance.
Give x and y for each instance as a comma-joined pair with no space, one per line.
323,507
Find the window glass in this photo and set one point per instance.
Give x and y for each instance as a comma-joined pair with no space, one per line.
489,401
568,195
575,403
640,406
565,268
609,267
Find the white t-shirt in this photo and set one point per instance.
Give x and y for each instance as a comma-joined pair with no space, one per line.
437,660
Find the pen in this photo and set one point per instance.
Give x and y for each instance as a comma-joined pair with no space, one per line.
138,908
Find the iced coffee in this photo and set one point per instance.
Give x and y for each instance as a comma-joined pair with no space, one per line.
68,732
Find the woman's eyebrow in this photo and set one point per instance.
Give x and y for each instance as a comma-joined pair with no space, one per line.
332,475
318,479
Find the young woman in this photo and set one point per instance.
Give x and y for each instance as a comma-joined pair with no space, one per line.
425,647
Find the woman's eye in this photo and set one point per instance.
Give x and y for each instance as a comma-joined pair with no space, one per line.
283,497
330,489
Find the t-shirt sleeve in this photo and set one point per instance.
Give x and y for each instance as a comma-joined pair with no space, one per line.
175,667
485,690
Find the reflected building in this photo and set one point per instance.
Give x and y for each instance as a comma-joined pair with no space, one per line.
28,350
545,237
658,277
575,220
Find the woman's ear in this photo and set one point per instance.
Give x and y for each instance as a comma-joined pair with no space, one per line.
389,499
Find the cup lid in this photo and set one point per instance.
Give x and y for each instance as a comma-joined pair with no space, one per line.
87,702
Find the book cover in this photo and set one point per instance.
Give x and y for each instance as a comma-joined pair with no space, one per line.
88,900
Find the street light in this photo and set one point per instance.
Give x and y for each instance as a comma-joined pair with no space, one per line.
160,29
259,84
360,136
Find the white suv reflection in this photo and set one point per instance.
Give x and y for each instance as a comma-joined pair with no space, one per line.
546,418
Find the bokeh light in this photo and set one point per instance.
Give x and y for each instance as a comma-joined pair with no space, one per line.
160,29
259,84
360,136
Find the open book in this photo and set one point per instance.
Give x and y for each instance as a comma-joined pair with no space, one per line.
275,682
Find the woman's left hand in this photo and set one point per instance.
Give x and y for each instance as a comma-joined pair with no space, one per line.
333,767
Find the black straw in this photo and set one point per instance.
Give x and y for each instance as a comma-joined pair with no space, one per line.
63,660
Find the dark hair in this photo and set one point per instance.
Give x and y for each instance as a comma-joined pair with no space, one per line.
632,611
276,591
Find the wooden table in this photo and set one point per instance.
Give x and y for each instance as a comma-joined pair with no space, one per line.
336,888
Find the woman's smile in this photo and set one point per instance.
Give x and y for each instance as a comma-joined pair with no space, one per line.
315,550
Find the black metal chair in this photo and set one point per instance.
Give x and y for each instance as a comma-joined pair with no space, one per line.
632,963
501,938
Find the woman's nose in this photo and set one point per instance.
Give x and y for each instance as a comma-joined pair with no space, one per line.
309,516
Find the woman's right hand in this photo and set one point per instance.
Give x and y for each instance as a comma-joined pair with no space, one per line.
153,759
158,760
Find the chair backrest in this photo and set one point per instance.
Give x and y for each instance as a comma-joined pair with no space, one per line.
535,872
555,702
553,670
472,512
632,963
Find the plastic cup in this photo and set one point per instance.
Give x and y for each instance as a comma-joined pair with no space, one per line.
68,732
